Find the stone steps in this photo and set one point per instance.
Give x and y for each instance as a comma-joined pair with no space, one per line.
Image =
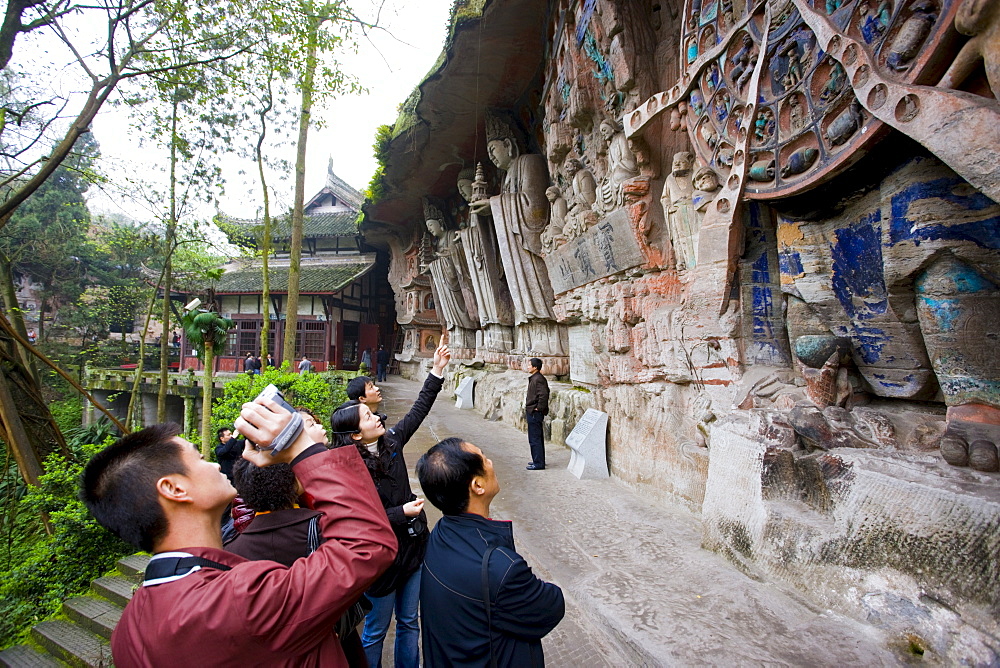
81,639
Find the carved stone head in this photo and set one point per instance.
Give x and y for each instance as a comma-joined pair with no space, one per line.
435,219
608,129
572,166
706,180
501,144
465,178
683,160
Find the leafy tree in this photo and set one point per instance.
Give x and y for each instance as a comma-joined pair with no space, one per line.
206,331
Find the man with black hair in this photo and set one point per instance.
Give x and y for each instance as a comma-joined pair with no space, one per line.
460,625
154,490
227,451
364,391
536,407
382,362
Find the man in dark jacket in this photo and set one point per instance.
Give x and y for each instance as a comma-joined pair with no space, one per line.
458,628
382,360
536,407
227,451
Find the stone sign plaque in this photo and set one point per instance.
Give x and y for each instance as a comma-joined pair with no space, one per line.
582,359
588,442
605,249
463,395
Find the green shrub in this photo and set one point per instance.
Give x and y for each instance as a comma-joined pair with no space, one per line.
319,392
67,413
53,567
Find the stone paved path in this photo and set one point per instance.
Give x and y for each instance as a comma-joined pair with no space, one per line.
639,589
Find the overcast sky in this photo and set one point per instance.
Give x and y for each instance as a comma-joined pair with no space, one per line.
417,30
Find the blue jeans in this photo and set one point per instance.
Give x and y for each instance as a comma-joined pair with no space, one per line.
382,368
405,600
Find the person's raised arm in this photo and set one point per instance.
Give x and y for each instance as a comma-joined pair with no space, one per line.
406,427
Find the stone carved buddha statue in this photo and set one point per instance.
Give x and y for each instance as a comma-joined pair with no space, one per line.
520,215
496,310
449,272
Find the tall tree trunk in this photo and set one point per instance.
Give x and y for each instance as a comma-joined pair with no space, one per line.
206,400
265,296
292,308
161,395
9,294
134,402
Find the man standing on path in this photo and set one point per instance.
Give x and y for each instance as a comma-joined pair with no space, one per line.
305,366
382,359
249,364
536,407
469,555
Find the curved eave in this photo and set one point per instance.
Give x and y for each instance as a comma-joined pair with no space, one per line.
505,57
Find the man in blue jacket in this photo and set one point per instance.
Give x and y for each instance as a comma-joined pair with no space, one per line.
458,628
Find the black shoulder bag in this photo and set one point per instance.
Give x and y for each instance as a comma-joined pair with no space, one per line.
350,619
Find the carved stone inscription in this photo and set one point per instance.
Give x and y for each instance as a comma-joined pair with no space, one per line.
605,249
588,442
582,359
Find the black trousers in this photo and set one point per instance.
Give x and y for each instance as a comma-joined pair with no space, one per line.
536,438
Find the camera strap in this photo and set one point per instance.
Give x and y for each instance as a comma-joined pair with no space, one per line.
169,566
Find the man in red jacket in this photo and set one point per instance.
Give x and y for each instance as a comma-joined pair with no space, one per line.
198,602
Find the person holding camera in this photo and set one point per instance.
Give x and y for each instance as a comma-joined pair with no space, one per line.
154,490
398,589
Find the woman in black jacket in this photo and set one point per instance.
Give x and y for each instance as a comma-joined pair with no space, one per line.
382,450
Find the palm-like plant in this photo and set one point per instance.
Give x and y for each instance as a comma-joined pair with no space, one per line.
206,331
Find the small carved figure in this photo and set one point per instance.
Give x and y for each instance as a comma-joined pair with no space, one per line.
796,115
911,36
799,161
833,5
723,104
692,50
763,127
872,25
793,68
678,209
552,236
581,198
741,62
706,185
697,103
712,78
622,166
845,124
980,20
709,134
835,81
762,170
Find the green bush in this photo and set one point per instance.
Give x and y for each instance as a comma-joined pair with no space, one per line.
319,392
50,568
67,413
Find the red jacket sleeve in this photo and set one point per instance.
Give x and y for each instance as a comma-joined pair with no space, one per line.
293,609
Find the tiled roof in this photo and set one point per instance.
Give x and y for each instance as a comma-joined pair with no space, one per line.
314,225
313,280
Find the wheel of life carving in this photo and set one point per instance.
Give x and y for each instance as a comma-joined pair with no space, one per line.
809,125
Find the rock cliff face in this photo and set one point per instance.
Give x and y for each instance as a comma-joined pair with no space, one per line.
772,240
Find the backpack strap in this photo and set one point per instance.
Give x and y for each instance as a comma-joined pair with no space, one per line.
486,601
313,540
167,569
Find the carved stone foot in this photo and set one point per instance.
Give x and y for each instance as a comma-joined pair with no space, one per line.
971,437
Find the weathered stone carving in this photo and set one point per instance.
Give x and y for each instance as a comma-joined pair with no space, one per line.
980,20
678,209
520,214
452,289
622,166
581,199
496,309
553,236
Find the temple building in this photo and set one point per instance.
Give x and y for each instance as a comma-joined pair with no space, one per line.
764,240
344,301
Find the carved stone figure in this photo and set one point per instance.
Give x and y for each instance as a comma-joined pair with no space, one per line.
980,20
872,25
796,115
496,310
678,209
581,199
845,124
553,236
911,35
621,166
834,83
520,213
741,62
706,185
448,272
763,127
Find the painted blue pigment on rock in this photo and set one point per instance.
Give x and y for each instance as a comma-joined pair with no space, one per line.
985,233
858,282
